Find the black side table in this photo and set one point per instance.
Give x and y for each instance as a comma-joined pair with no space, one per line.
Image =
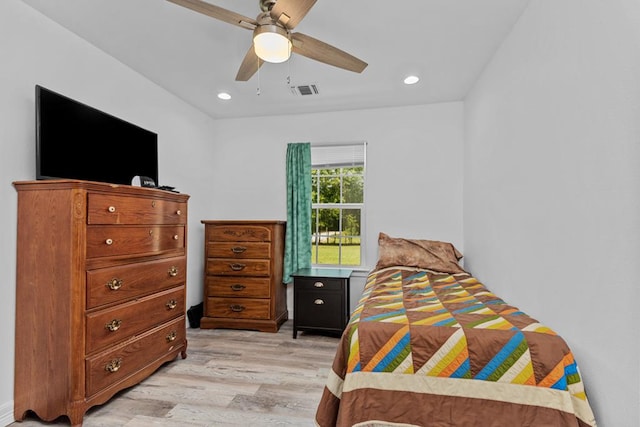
320,299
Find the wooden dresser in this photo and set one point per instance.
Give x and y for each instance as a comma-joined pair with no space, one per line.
100,292
243,286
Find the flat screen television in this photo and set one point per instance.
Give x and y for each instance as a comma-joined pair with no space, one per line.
76,141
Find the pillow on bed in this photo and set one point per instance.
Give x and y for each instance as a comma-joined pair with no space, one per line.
428,254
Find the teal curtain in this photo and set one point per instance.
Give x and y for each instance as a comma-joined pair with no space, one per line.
297,247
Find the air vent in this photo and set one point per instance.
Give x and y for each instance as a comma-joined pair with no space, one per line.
305,90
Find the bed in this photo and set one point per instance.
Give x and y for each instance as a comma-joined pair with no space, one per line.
429,345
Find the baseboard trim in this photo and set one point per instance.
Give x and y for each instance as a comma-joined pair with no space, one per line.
6,413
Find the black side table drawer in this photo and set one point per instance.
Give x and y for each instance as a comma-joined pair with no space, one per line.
320,299
319,283
319,309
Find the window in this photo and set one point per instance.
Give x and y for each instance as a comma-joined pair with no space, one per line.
337,201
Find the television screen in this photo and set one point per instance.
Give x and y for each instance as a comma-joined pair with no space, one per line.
76,141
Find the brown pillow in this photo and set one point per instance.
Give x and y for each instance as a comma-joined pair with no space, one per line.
428,254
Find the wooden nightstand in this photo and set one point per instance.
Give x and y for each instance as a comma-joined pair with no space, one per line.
320,299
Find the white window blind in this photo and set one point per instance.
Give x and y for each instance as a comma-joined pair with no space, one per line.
337,155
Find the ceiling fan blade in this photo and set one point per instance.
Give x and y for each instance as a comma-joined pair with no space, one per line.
290,12
218,13
320,51
249,66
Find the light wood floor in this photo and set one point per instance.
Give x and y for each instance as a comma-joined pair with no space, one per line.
229,377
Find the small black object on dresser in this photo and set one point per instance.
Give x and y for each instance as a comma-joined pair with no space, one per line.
320,299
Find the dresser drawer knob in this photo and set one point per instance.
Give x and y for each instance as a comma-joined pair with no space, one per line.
153,203
318,302
114,365
171,304
173,271
171,336
114,325
237,287
238,249
237,308
178,212
111,209
114,284
176,237
319,285
237,267
109,242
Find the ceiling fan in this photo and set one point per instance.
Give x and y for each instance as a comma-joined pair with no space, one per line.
273,40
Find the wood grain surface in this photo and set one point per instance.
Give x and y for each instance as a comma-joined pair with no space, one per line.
230,377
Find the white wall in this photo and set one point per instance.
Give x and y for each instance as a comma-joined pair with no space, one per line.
36,51
552,186
405,173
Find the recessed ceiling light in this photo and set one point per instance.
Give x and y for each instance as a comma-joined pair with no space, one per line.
410,80
224,96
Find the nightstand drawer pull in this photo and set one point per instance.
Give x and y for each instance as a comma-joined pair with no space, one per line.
237,267
318,302
171,304
237,287
111,209
173,271
114,284
114,365
109,242
319,285
238,249
237,308
114,325
172,336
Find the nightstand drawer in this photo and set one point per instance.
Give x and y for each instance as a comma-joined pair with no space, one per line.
318,309
320,283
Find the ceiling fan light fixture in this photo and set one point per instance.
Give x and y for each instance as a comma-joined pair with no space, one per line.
272,43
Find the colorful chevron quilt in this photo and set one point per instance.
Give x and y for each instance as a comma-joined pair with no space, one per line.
424,348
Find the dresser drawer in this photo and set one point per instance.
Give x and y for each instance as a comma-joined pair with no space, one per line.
320,283
109,285
104,241
238,308
119,209
239,233
117,364
234,267
251,287
107,327
239,250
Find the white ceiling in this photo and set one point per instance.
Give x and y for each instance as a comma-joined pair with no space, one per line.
446,42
